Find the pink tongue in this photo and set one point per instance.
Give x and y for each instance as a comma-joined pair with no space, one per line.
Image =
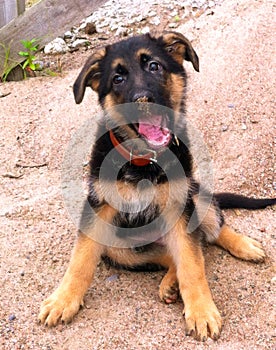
153,130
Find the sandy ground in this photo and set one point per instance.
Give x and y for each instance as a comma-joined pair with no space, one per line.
232,102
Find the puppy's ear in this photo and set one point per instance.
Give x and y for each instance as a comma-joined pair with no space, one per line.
180,48
89,75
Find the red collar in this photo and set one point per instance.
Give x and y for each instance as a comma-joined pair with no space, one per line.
135,159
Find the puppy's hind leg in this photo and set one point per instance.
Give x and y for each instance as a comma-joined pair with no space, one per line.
168,289
241,246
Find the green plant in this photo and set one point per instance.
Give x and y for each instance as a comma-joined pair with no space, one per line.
31,47
7,67
50,73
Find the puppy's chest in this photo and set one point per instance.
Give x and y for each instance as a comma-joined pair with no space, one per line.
136,205
140,204
137,216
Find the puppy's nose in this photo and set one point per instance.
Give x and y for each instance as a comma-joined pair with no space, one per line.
143,96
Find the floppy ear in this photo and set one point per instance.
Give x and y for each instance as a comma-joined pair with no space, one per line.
89,75
180,48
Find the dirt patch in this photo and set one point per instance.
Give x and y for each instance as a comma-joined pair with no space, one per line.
232,102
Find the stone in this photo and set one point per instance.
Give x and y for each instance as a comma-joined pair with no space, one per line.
80,43
68,35
121,31
58,45
145,30
155,21
90,28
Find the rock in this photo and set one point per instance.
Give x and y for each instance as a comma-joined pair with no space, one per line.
82,26
152,14
197,26
112,278
155,21
173,25
90,28
174,13
12,317
68,35
58,45
80,43
121,31
145,30
119,19
114,26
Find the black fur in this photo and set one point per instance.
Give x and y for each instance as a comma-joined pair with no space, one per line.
236,201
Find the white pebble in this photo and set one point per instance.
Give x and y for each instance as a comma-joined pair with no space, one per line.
58,45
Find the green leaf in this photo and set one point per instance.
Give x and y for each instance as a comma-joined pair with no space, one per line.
32,66
38,67
26,44
25,64
23,53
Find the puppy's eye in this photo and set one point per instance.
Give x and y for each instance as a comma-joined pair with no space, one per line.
118,79
154,66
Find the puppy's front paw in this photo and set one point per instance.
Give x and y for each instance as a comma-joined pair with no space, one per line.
61,305
203,320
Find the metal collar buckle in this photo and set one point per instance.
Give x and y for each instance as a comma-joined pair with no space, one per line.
152,159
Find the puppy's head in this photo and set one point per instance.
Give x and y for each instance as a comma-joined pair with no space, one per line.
142,71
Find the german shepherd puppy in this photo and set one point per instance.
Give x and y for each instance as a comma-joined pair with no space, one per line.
143,139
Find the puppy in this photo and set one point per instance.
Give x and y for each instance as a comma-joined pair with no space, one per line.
145,208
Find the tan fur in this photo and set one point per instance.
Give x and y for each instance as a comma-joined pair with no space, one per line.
180,47
200,311
176,86
127,257
65,302
164,195
109,102
242,247
91,68
173,42
208,218
118,62
141,52
168,289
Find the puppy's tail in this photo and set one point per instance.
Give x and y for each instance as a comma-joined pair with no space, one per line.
235,201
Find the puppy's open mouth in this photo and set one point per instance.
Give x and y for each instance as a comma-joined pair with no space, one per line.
154,130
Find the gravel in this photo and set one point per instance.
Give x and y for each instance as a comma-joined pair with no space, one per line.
123,311
119,19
